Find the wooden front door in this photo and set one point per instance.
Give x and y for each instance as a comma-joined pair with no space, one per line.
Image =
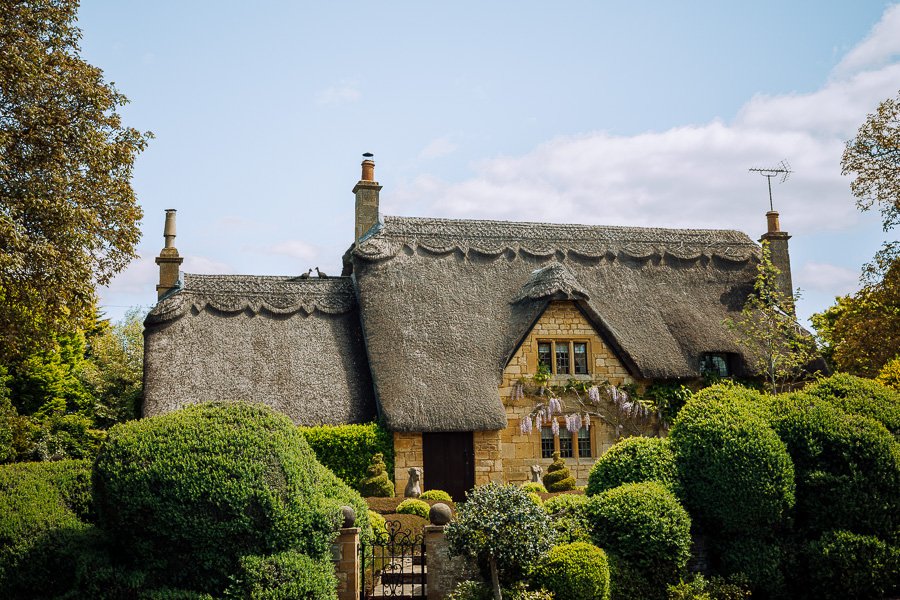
449,462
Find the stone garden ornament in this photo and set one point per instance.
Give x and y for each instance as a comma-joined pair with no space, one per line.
412,486
536,472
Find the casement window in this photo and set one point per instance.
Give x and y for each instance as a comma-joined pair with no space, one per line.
584,443
715,364
565,444
547,447
564,357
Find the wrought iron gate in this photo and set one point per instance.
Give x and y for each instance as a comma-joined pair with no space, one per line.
394,565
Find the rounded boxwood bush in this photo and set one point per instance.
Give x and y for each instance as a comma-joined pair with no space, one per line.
734,473
37,499
567,518
577,571
378,525
860,396
633,460
534,486
842,564
565,503
438,495
500,525
558,477
759,562
847,468
186,494
283,576
647,535
414,506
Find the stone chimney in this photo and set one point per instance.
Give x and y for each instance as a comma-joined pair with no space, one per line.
366,190
168,259
778,251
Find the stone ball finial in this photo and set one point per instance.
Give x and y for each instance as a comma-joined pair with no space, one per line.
349,516
440,514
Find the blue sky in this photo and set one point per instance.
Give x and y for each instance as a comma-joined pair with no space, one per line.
641,113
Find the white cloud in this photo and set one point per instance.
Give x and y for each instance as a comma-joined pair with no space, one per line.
438,147
823,277
693,176
296,249
205,266
341,93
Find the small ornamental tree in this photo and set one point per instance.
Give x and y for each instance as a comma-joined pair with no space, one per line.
503,530
376,482
558,477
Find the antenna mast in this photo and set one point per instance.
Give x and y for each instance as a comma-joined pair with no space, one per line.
783,169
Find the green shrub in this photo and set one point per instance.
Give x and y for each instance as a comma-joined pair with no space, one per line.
633,460
534,486
414,506
438,495
859,396
558,477
565,503
714,588
347,449
576,571
283,576
845,565
647,535
567,518
36,499
378,525
186,494
735,474
847,468
758,561
376,482
500,528
889,376
477,590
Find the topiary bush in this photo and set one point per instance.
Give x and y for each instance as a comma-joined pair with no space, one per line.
847,468
735,474
188,493
378,525
714,588
647,535
414,506
534,486
376,482
37,499
558,477
436,495
578,571
346,449
501,529
477,590
565,503
757,561
567,518
841,564
859,396
283,576
633,460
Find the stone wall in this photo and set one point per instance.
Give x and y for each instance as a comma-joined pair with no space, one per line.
407,453
561,321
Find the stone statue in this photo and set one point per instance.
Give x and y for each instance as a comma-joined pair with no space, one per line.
412,486
536,472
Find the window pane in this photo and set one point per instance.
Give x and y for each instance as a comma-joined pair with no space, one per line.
546,442
579,358
584,443
565,443
544,354
714,364
562,358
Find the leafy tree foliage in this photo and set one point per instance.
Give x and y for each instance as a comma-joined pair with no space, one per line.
68,215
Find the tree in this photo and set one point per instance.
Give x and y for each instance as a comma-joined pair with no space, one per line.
68,214
782,350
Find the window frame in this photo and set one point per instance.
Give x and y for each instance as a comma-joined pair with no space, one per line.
570,343
709,359
585,438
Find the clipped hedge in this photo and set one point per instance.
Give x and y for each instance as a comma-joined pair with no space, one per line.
844,565
437,495
757,561
633,460
859,396
188,493
283,576
348,449
735,474
534,486
847,468
414,506
577,571
647,535
567,518
36,499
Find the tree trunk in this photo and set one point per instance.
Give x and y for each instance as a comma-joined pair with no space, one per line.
495,580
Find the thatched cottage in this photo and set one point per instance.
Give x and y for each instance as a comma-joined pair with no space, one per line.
437,325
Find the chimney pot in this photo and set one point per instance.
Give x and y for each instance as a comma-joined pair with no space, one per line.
772,220
368,170
169,229
366,191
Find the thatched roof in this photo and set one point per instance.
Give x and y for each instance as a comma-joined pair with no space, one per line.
445,303
294,344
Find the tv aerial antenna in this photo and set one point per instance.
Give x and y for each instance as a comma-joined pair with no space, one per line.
783,170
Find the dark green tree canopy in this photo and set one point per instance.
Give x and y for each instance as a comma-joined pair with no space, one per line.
68,215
